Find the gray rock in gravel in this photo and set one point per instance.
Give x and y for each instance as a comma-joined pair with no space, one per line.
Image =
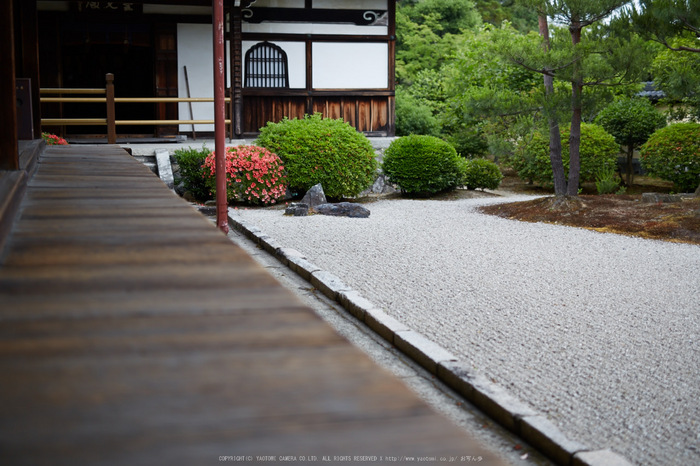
297,209
342,209
314,196
655,198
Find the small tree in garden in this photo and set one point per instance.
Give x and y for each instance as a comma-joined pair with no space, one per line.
253,175
631,122
673,154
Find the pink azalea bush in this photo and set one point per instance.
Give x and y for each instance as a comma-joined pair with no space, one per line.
253,175
53,140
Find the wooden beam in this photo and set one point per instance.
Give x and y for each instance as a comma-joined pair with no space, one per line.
28,63
9,156
154,2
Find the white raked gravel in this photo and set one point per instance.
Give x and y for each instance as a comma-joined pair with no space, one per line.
600,332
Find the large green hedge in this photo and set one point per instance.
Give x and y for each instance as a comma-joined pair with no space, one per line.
673,154
320,150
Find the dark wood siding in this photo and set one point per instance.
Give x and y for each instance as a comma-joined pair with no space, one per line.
166,75
370,114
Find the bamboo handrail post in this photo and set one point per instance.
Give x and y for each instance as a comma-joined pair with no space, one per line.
111,127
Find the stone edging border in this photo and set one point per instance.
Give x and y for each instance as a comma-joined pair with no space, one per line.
492,399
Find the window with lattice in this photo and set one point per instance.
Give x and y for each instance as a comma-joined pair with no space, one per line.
266,66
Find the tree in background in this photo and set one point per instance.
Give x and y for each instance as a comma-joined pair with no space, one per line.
494,12
676,25
666,20
631,122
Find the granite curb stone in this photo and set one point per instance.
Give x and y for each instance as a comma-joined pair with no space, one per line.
427,353
541,433
491,398
386,326
355,303
284,254
600,457
328,284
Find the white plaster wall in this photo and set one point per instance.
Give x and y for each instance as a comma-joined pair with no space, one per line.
296,59
350,65
195,50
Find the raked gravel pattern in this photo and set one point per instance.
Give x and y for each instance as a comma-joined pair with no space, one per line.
598,331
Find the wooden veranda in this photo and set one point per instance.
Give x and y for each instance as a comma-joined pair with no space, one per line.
132,331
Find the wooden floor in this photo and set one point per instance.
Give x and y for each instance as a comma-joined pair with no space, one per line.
133,332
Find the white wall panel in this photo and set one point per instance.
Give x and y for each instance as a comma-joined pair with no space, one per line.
195,50
350,65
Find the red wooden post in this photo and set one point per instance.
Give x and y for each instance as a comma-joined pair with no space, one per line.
111,127
220,115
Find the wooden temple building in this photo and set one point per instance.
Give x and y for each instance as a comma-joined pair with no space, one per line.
285,58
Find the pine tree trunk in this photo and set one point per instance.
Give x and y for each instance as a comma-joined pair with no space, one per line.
576,104
554,133
630,169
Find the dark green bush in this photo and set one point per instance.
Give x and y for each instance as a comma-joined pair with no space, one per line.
414,117
599,151
423,165
469,142
673,154
482,174
607,182
191,175
317,150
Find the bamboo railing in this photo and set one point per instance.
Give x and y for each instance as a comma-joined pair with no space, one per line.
109,100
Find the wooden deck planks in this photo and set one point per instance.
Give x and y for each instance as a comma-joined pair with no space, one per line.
134,332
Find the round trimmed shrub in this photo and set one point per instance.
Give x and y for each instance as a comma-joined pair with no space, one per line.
423,165
482,174
321,150
673,154
253,175
598,151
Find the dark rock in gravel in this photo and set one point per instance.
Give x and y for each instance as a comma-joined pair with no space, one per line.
297,209
314,196
342,209
660,197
